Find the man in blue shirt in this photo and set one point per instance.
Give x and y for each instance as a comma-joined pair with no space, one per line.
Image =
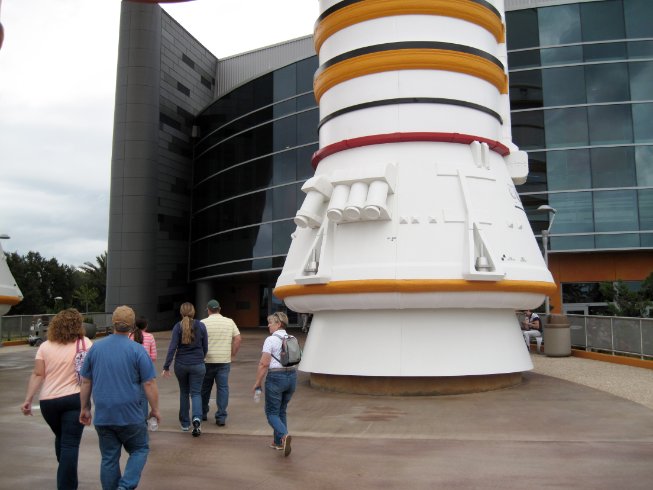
115,370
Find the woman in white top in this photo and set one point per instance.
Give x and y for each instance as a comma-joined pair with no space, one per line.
280,382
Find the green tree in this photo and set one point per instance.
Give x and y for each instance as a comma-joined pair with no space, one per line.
624,302
95,277
41,281
86,295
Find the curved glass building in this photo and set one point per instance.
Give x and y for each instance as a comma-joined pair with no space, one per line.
210,155
252,157
581,90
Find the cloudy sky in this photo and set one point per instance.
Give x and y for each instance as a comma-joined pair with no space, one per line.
57,86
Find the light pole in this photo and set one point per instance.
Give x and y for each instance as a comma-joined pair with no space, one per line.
545,208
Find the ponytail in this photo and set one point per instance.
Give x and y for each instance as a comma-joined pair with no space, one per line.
187,311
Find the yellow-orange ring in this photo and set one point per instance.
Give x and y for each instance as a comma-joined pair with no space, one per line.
374,9
410,59
416,286
10,300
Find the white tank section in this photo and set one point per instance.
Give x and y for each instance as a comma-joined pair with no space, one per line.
413,249
10,294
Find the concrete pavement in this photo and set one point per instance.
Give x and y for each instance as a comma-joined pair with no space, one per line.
544,433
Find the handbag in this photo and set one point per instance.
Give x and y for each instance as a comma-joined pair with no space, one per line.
78,361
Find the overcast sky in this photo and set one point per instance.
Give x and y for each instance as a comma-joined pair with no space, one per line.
57,87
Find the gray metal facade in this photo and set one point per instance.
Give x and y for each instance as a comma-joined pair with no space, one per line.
241,68
164,78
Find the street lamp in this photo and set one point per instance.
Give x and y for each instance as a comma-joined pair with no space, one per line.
545,208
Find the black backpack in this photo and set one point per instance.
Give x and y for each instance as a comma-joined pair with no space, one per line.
291,353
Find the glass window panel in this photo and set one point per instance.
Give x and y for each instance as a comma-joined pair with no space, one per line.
602,20
285,133
646,240
643,122
307,126
558,56
623,240
607,83
305,71
304,161
521,26
285,199
574,212
306,101
527,129
524,59
284,108
600,52
285,82
610,124
565,127
525,89
641,80
613,167
582,242
281,236
263,244
559,25
568,170
536,173
615,211
638,14
644,165
563,86
640,49
645,204
285,167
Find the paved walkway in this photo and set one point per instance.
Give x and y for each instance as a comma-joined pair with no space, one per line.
548,432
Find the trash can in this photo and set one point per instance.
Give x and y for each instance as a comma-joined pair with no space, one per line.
557,336
91,330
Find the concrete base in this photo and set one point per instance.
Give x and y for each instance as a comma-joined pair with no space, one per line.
413,386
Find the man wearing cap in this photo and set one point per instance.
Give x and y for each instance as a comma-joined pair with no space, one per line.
115,371
224,342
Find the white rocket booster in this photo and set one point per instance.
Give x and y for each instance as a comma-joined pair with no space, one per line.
10,294
413,249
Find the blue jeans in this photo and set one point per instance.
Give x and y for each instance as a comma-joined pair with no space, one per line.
190,377
112,439
279,388
62,415
218,372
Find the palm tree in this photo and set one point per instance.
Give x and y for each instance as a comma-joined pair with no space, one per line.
96,276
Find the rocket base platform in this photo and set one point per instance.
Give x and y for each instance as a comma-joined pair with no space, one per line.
425,351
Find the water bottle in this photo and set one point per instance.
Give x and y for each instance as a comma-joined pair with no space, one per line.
152,424
257,395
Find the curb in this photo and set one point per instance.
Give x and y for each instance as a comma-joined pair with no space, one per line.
615,359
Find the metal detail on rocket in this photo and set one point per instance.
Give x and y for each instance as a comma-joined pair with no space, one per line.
412,243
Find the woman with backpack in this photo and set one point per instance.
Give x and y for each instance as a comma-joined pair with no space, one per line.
55,375
188,347
280,382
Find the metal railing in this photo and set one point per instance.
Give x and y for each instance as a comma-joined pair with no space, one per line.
613,334
18,327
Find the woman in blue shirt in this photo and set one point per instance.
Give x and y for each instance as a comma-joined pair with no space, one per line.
188,347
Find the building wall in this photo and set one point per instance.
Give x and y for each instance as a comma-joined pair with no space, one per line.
633,265
581,105
164,78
